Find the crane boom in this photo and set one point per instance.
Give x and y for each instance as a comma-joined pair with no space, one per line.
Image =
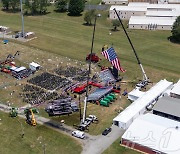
142,69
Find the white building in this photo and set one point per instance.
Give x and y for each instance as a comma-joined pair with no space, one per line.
153,134
114,2
151,23
147,16
138,107
125,12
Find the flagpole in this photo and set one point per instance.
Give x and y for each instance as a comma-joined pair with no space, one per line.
89,70
142,69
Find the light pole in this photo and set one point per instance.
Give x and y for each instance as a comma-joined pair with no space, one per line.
22,17
89,70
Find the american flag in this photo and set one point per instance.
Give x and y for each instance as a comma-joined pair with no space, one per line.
111,55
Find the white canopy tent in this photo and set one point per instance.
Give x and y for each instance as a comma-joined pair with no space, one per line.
135,94
138,107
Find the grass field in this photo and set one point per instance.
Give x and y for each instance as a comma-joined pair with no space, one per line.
34,139
65,35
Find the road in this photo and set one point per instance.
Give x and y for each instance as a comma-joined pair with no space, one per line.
100,143
91,144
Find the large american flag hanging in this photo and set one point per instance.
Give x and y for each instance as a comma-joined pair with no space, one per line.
111,55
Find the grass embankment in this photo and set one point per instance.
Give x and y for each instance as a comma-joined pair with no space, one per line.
36,139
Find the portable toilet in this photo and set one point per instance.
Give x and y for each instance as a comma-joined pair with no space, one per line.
107,100
104,103
110,97
113,95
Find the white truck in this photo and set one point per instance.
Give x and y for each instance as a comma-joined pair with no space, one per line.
78,134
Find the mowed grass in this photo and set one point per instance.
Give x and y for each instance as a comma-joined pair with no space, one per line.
34,140
67,36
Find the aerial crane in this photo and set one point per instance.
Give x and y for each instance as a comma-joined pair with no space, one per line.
145,80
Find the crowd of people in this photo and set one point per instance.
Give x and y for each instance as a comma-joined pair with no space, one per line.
74,73
49,81
34,95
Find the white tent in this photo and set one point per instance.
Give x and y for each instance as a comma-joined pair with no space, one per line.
138,107
135,94
20,69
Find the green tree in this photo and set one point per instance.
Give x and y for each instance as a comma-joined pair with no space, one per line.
61,5
43,6
14,4
115,24
176,31
5,4
76,7
89,15
36,6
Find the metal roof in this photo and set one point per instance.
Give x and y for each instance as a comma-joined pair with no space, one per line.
163,13
115,0
135,20
158,133
138,4
176,88
143,101
168,105
164,6
128,8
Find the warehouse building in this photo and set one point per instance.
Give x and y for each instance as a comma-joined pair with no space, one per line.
142,1
168,107
138,107
153,134
125,12
151,23
147,16
175,92
114,2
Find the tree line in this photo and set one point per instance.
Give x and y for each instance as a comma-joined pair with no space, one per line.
33,7
74,8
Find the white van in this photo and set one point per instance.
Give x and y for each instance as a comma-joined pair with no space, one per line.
78,134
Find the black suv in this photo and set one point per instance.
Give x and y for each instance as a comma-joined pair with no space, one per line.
106,131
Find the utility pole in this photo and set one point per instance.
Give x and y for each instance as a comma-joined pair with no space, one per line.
22,17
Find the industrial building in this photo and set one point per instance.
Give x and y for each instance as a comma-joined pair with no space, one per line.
114,2
151,23
141,1
125,12
153,134
168,107
138,107
147,16
175,92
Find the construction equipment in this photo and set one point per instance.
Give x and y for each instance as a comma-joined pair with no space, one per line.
8,62
30,119
13,112
145,80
